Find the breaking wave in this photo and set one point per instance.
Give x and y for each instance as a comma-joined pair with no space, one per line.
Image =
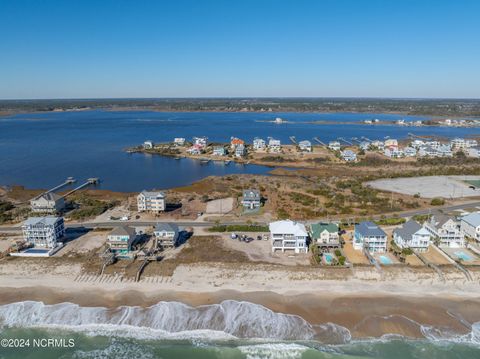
170,320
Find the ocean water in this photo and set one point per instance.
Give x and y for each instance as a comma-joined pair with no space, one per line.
40,150
228,330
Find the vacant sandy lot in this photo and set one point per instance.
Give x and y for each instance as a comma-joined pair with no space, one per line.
223,205
82,243
434,256
429,187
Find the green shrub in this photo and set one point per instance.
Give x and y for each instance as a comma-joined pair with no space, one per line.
437,202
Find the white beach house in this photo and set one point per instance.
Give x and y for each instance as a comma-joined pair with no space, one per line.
369,236
259,144
446,231
150,201
412,235
251,198
288,235
43,231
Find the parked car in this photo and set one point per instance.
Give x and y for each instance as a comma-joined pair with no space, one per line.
233,236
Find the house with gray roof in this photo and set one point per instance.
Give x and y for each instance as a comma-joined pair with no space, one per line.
445,230
325,234
470,225
412,235
121,239
166,234
369,236
43,232
49,202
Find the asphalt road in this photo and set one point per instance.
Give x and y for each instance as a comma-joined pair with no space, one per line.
110,224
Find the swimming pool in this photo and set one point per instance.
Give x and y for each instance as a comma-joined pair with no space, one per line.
385,260
328,258
36,250
463,256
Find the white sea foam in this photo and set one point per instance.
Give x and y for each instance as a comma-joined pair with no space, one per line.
273,351
228,319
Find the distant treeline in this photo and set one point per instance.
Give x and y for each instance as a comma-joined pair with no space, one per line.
428,107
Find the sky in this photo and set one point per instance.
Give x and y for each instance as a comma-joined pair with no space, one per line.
243,48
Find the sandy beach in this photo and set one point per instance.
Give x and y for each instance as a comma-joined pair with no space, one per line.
367,305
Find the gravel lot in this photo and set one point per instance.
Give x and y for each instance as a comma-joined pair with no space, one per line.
429,187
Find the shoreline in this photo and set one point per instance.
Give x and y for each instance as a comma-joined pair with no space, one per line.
365,316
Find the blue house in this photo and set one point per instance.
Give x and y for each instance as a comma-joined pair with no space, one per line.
370,236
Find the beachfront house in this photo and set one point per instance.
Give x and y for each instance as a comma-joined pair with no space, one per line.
43,232
151,201
348,156
259,144
288,235
47,203
240,151
219,151
417,144
305,146
412,235
121,239
470,225
148,145
196,149
369,236
251,198
445,231
166,234
334,145
179,141
325,235
274,145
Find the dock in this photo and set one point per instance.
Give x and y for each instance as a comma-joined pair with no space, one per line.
344,140
90,181
316,139
354,139
293,139
68,181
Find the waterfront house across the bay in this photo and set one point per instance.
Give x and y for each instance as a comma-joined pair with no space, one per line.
121,239
349,156
151,201
148,145
166,234
334,145
325,235
305,146
219,151
251,198
179,141
47,203
274,145
288,236
412,235
259,144
369,236
240,151
43,232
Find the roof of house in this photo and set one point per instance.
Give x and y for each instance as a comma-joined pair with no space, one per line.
440,219
166,227
49,196
472,219
237,141
153,194
288,227
318,228
123,231
408,229
305,143
369,229
47,221
251,193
